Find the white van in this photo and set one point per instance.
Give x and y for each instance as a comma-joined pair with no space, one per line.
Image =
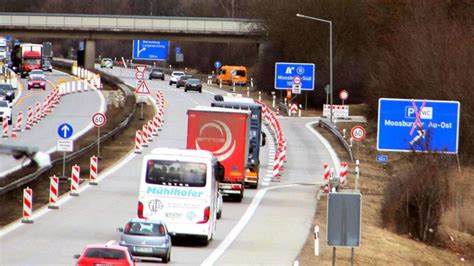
179,187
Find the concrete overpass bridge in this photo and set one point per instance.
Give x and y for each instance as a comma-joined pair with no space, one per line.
114,27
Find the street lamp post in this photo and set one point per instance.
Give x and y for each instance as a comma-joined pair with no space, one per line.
330,55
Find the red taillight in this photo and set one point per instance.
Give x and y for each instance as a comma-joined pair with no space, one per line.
140,210
236,187
207,214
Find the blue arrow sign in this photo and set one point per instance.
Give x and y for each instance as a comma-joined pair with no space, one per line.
217,64
420,125
150,49
285,72
382,159
65,130
177,50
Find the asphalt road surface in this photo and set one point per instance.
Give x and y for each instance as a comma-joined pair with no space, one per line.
269,226
75,109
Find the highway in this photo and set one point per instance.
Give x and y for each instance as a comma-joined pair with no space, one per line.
268,227
76,109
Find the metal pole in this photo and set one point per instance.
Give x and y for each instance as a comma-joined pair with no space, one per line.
334,256
352,257
305,100
141,111
98,143
330,62
64,164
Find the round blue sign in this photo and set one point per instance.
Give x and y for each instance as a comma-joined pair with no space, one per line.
65,130
217,64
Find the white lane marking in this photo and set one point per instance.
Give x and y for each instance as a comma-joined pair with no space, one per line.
111,242
102,109
265,184
267,178
232,235
332,153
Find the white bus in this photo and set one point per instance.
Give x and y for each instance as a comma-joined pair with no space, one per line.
180,187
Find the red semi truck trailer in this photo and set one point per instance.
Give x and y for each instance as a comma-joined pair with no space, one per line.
224,132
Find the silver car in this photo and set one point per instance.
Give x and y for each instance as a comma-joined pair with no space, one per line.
146,238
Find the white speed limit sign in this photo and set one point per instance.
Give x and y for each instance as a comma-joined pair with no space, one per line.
99,119
358,133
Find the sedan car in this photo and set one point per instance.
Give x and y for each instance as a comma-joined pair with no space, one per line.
175,76
194,85
47,66
107,63
99,254
37,83
182,80
156,73
7,92
36,73
147,238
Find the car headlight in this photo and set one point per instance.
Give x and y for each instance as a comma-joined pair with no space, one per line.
122,243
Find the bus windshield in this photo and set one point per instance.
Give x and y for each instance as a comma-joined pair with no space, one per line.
173,173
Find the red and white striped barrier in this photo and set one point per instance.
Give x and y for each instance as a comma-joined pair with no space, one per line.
144,137
27,205
138,142
93,170
29,122
153,128
5,127
53,192
75,173
343,173
293,109
19,122
157,121
326,178
37,116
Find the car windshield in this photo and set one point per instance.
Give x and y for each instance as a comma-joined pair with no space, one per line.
36,72
184,77
37,78
3,104
178,73
144,229
7,87
194,81
105,253
172,173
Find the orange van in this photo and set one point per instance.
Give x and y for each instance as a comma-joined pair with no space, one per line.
233,74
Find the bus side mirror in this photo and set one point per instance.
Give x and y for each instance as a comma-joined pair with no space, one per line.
264,139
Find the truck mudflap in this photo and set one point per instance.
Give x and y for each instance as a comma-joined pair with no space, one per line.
232,190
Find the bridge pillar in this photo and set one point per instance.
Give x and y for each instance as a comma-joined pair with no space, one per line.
89,56
261,47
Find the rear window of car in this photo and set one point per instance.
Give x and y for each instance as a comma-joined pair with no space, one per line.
105,253
6,87
178,73
144,229
194,81
157,71
36,72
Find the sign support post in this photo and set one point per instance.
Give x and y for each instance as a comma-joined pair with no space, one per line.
64,165
98,119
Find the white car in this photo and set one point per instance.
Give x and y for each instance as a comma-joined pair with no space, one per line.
36,73
6,111
175,75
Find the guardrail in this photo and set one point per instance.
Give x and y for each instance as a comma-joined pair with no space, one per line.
169,24
28,178
327,124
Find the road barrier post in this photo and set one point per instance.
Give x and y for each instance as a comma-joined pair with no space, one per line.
75,173
251,83
316,240
19,122
248,91
138,142
344,133
27,205
93,170
53,192
29,123
273,102
343,173
144,137
299,110
5,127
233,86
259,96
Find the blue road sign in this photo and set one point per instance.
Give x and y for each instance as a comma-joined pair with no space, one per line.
81,46
177,50
150,49
65,130
285,72
8,38
382,159
420,125
217,64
